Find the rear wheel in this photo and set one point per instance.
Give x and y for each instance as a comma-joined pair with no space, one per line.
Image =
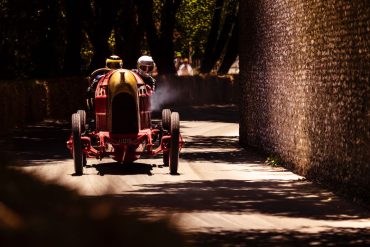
174,147
82,114
77,149
166,119
166,125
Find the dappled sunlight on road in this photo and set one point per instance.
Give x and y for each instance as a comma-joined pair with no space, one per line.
223,193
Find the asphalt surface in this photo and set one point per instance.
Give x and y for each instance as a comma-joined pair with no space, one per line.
224,195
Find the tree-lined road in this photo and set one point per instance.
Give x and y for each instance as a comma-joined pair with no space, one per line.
224,194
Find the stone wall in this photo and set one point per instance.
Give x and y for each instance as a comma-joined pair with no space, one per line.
304,74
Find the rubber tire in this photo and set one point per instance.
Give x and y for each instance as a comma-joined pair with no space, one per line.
175,139
166,159
166,119
166,125
77,149
82,119
84,160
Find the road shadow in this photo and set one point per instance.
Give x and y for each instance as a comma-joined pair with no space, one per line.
281,198
214,113
296,199
114,168
211,148
35,213
205,142
44,141
330,237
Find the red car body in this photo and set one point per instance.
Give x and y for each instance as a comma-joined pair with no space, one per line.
124,129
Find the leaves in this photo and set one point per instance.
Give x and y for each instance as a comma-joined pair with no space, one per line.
46,38
193,24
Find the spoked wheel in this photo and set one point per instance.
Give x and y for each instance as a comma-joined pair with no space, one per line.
77,149
166,119
82,114
175,139
166,125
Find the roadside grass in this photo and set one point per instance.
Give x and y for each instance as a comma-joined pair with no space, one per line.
274,160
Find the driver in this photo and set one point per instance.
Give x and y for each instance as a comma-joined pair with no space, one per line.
113,62
145,67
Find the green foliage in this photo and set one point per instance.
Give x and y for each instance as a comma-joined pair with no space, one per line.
157,9
193,23
87,51
274,160
112,42
36,40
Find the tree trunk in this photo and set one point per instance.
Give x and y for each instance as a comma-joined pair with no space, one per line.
212,38
99,26
72,56
166,47
225,34
7,57
145,9
231,51
44,53
7,60
128,33
161,46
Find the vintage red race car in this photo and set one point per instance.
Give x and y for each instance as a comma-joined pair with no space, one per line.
123,128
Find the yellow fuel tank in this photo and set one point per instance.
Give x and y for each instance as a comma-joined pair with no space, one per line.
123,103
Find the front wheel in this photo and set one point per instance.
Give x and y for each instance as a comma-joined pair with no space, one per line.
175,139
82,114
77,149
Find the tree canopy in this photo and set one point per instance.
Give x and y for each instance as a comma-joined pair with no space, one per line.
44,38
193,24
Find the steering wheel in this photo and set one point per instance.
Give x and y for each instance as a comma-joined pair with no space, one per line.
96,72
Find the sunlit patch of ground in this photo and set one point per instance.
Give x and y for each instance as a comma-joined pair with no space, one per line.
34,213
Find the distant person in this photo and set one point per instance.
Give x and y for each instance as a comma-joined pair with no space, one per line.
145,68
185,69
177,61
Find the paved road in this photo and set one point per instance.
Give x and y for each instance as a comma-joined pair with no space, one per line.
224,195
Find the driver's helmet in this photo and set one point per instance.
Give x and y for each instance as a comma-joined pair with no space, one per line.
114,62
145,65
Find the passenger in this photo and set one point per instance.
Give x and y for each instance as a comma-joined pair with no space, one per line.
111,63
145,68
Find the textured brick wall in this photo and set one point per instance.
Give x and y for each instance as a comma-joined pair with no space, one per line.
306,90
